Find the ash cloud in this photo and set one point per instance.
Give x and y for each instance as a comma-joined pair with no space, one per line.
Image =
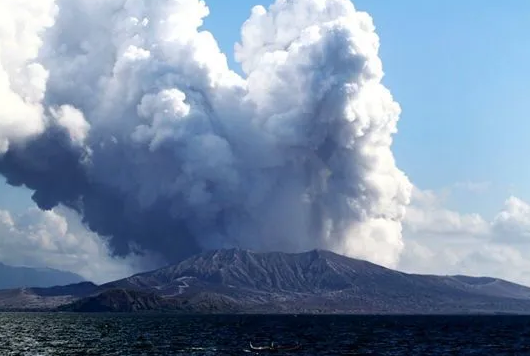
127,113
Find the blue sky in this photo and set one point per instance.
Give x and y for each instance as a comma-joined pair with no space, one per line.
460,75
458,72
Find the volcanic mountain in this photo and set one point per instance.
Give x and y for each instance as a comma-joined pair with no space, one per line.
241,281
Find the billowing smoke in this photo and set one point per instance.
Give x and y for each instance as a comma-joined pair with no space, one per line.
126,112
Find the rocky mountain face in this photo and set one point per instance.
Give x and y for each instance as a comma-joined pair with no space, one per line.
312,282
19,277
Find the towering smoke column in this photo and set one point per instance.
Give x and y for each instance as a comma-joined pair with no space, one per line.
126,112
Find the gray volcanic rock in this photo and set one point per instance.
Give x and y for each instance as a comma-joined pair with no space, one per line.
241,281
21,277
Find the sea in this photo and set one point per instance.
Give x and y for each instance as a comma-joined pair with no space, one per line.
32,334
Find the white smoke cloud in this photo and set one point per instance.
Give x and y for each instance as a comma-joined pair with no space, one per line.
144,131
22,78
73,121
443,241
57,239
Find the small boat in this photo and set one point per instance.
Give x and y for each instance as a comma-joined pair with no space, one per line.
273,347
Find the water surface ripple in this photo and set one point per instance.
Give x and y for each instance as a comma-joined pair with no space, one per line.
42,334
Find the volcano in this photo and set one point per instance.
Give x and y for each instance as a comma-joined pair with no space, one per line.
318,281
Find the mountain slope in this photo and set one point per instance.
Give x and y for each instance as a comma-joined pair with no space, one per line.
306,272
122,300
312,282
326,282
19,277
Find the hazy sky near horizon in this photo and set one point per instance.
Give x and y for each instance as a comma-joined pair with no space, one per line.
460,74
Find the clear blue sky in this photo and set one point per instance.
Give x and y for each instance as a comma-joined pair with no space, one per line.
460,71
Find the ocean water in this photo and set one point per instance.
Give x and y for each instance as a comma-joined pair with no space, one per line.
130,334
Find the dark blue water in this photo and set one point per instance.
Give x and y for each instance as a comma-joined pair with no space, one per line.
113,334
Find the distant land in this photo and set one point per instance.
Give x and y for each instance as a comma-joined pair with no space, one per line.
20,277
316,282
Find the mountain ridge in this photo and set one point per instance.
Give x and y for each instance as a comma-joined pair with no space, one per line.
317,281
20,276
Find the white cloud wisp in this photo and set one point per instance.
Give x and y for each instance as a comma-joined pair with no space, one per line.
442,241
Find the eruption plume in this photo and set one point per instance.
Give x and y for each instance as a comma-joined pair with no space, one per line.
127,113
